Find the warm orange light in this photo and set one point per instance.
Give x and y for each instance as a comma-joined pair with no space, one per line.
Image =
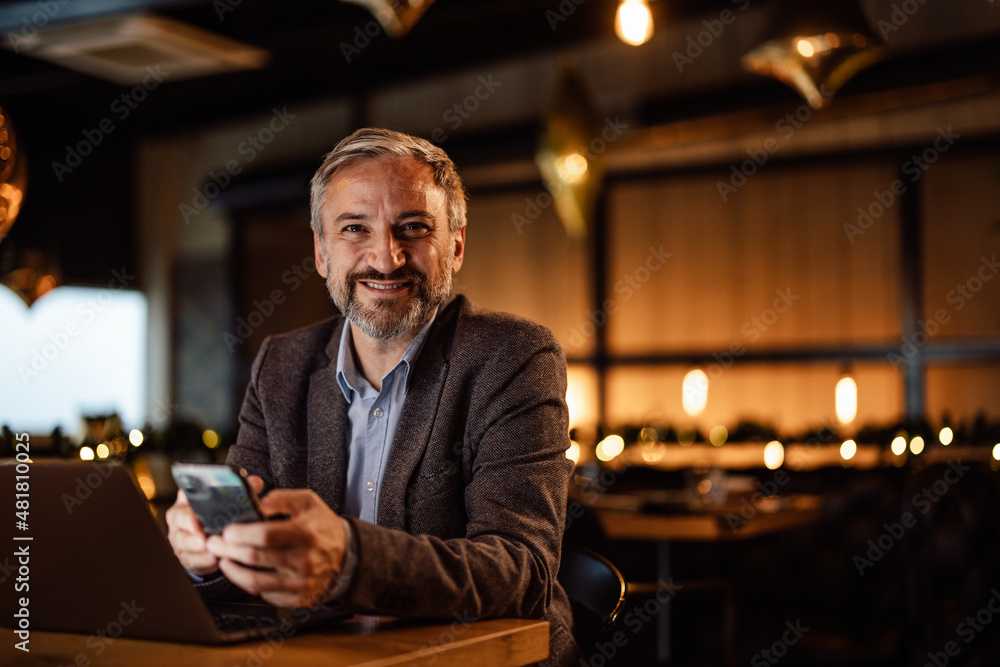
634,22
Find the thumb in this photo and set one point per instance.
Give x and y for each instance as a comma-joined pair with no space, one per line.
256,483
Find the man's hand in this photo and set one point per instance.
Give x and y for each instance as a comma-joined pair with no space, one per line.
188,539
301,556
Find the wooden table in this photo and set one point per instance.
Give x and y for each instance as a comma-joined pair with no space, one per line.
363,640
622,518
725,523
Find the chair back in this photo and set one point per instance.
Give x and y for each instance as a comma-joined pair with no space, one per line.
596,590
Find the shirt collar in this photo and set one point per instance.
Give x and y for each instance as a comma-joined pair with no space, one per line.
348,377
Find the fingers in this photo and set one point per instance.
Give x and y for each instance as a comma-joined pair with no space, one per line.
301,555
187,539
280,587
290,501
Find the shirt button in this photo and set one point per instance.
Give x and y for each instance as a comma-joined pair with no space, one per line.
370,486
378,412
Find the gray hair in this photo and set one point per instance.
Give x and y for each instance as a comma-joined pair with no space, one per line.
376,143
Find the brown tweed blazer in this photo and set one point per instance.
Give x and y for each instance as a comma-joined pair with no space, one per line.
473,504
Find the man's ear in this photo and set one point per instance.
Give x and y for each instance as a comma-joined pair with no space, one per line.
459,241
318,255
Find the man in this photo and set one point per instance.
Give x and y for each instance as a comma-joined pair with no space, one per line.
417,443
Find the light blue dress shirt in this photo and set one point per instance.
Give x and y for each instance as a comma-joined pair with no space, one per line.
372,418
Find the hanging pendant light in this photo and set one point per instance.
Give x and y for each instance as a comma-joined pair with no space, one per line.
816,47
570,154
13,175
396,16
634,22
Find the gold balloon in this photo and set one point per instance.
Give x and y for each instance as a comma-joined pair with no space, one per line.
13,175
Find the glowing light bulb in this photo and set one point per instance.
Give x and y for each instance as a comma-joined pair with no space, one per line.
946,436
694,392
774,455
610,447
848,449
634,22
210,438
805,47
102,451
135,437
898,445
846,397
571,168
996,452
718,435
86,454
917,444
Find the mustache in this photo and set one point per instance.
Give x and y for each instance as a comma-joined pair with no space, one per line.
402,273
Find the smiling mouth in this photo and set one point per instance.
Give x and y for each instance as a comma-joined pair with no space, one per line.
383,287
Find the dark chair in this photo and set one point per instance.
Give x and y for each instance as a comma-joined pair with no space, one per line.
596,591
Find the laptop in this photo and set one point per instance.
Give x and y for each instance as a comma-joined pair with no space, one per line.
98,564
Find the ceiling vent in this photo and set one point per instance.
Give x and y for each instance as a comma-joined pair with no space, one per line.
122,49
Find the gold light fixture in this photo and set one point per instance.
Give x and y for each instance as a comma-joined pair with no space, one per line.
634,22
13,175
816,47
571,152
396,16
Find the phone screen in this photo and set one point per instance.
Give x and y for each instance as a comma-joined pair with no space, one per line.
218,494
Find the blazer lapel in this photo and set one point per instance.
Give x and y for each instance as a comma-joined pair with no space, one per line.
415,424
326,467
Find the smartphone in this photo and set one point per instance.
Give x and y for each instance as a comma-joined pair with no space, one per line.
219,494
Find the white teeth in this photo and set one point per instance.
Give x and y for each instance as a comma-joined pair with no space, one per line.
376,286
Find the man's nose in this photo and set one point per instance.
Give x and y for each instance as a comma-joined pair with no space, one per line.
386,254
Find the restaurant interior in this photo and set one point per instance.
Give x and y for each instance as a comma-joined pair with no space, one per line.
765,233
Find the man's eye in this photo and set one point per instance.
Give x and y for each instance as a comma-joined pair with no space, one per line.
414,227
353,229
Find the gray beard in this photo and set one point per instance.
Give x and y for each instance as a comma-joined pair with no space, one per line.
386,320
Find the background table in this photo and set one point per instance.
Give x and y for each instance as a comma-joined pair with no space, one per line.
367,641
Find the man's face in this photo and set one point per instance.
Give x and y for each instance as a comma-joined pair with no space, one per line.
386,253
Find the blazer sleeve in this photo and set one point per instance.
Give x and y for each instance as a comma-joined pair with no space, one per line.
514,447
